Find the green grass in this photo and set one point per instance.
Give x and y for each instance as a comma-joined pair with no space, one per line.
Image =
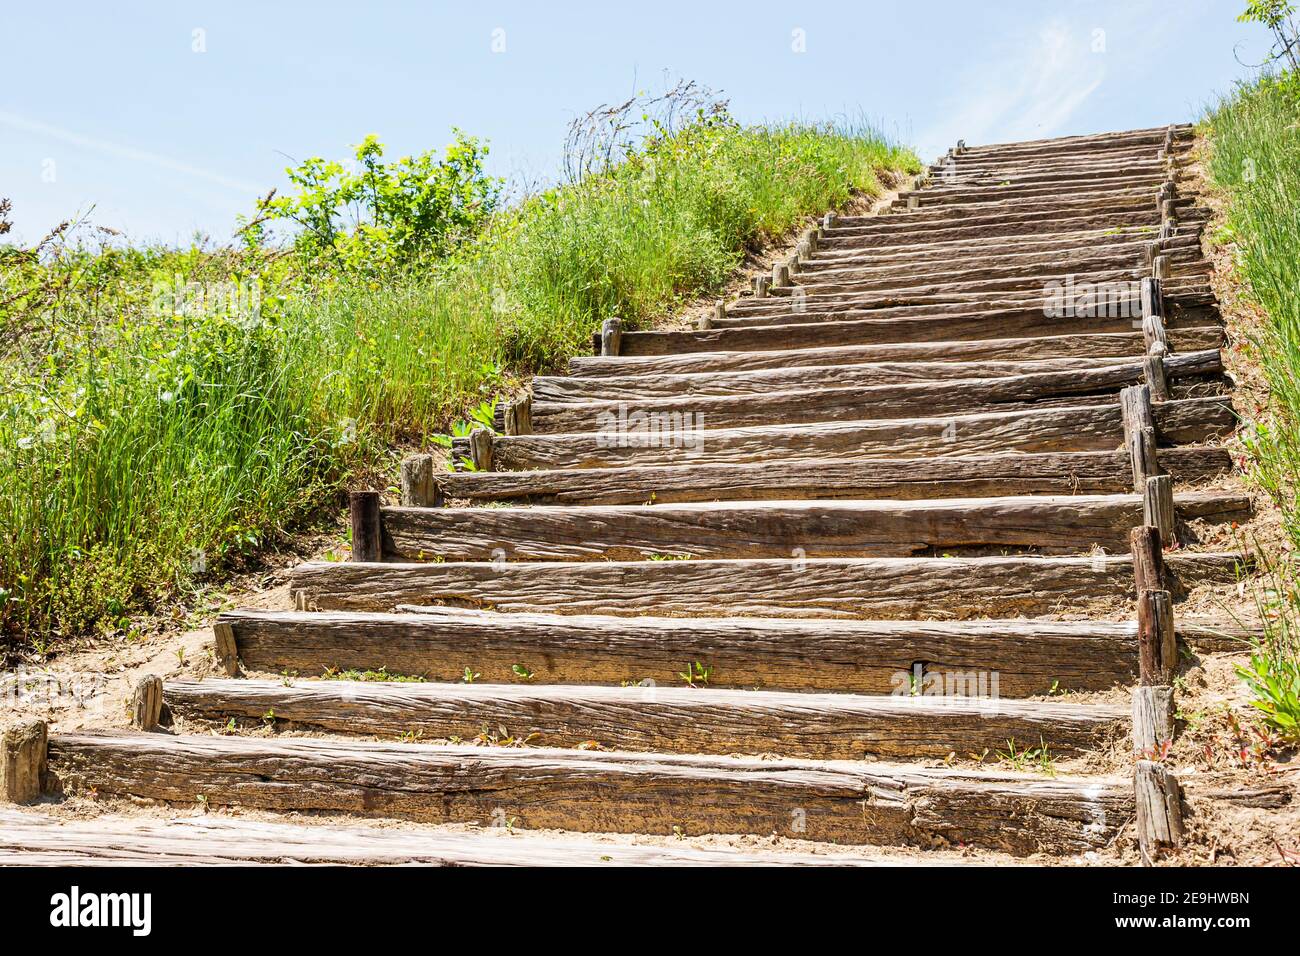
1255,156
143,453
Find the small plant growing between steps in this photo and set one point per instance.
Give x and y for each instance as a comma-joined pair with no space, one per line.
383,675
696,674
1037,759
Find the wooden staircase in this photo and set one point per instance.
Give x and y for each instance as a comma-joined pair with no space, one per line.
783,573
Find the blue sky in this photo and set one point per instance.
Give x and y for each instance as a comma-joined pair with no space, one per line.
172,117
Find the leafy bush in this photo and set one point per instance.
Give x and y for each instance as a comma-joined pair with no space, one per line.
401,212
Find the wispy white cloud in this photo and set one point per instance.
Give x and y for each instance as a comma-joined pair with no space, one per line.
1029,88
72,138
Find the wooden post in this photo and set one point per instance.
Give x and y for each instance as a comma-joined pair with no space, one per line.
23,761
1139,434
1160,267
1168,212
762,283
146,702
1158,506
480,449
518,418
1154,335
1153,369
1167,231
1159,809
780,275
1157,650
227,650
611,336
828,220
1148,559
913,201
366,533
1151,296
719,309
1153,719
419,487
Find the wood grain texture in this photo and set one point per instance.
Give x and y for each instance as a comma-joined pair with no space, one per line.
586,791
36,839
901,477
663,719
821,528
1013,658
905,400
835,588
631,388
1076,428
1018,321
1128,344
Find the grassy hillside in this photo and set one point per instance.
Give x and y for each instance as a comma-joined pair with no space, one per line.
163,419
1255,157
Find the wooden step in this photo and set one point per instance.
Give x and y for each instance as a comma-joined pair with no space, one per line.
840,588
664,719
807,331
998,191
1008,272
1024,223
630,388
833,801
39,839
1008,658
1021,349
1076,428
1076,386
1073,231
953,257
1100,472
779,529
983,250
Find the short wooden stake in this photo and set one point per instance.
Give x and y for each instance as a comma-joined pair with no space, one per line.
1153,719
828,220
611,336
762,284
913,201
366,534
1158,506
1159,809
227,651
23,761
1160,267
146,702
780,275
1151,296
518,418
1168,212
1157,650
1139,434
419,487
480,449
1148,559
720,309
1167,231
1153,369
1154,335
